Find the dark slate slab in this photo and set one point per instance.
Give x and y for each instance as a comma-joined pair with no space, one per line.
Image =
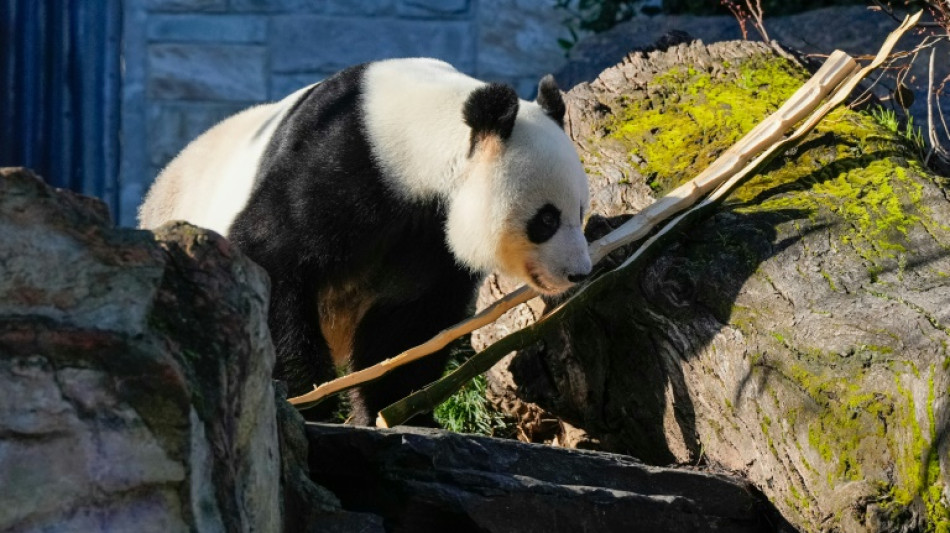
432,480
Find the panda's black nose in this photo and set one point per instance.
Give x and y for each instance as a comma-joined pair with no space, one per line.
575,278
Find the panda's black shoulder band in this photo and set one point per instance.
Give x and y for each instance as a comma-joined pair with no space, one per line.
491,110
550,100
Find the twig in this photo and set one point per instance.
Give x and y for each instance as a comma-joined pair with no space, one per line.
931,130
892,60
752,11
758,15
943,119
756,141
936,148
739,15
889,11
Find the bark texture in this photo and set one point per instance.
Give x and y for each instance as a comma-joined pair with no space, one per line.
799,336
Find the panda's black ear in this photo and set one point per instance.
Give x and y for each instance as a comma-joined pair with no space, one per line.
550,100
490,110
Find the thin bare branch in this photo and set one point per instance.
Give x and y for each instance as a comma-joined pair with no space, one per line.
936,148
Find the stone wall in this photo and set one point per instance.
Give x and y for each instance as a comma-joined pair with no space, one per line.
189,63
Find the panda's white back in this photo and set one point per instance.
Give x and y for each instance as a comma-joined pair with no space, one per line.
210,181
412,111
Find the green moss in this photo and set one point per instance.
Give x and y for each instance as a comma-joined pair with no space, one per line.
919,468
857,178
799,500
931,487
831,282
879,349
844,430
692,107
766,425
850,422
851,171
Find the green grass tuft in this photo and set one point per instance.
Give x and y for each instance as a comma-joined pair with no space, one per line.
910,133
468,410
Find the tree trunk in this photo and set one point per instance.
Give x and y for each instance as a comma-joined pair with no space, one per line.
799,336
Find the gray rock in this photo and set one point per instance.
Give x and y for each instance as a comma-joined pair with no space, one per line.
308,506
857,30
135,390
430,480
595,53
234,72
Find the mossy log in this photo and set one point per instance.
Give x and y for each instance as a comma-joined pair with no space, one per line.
798,336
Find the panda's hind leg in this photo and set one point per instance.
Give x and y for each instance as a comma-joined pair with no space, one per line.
303,358
388,330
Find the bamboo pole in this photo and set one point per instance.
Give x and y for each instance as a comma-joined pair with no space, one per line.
837,67
804,100
441,340
425,399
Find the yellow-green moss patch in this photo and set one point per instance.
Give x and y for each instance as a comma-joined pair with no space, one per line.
693,115
850,171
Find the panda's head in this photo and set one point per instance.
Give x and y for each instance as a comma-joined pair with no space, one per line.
524,195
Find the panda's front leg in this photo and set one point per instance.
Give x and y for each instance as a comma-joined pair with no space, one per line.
303,358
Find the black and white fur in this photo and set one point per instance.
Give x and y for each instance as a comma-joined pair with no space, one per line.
375,200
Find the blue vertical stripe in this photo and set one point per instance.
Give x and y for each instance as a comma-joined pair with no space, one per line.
61,82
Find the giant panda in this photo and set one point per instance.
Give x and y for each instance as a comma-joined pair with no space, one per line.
376,200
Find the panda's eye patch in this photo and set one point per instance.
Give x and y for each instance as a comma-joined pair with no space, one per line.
544,224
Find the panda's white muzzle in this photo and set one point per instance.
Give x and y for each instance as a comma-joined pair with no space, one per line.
562,261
